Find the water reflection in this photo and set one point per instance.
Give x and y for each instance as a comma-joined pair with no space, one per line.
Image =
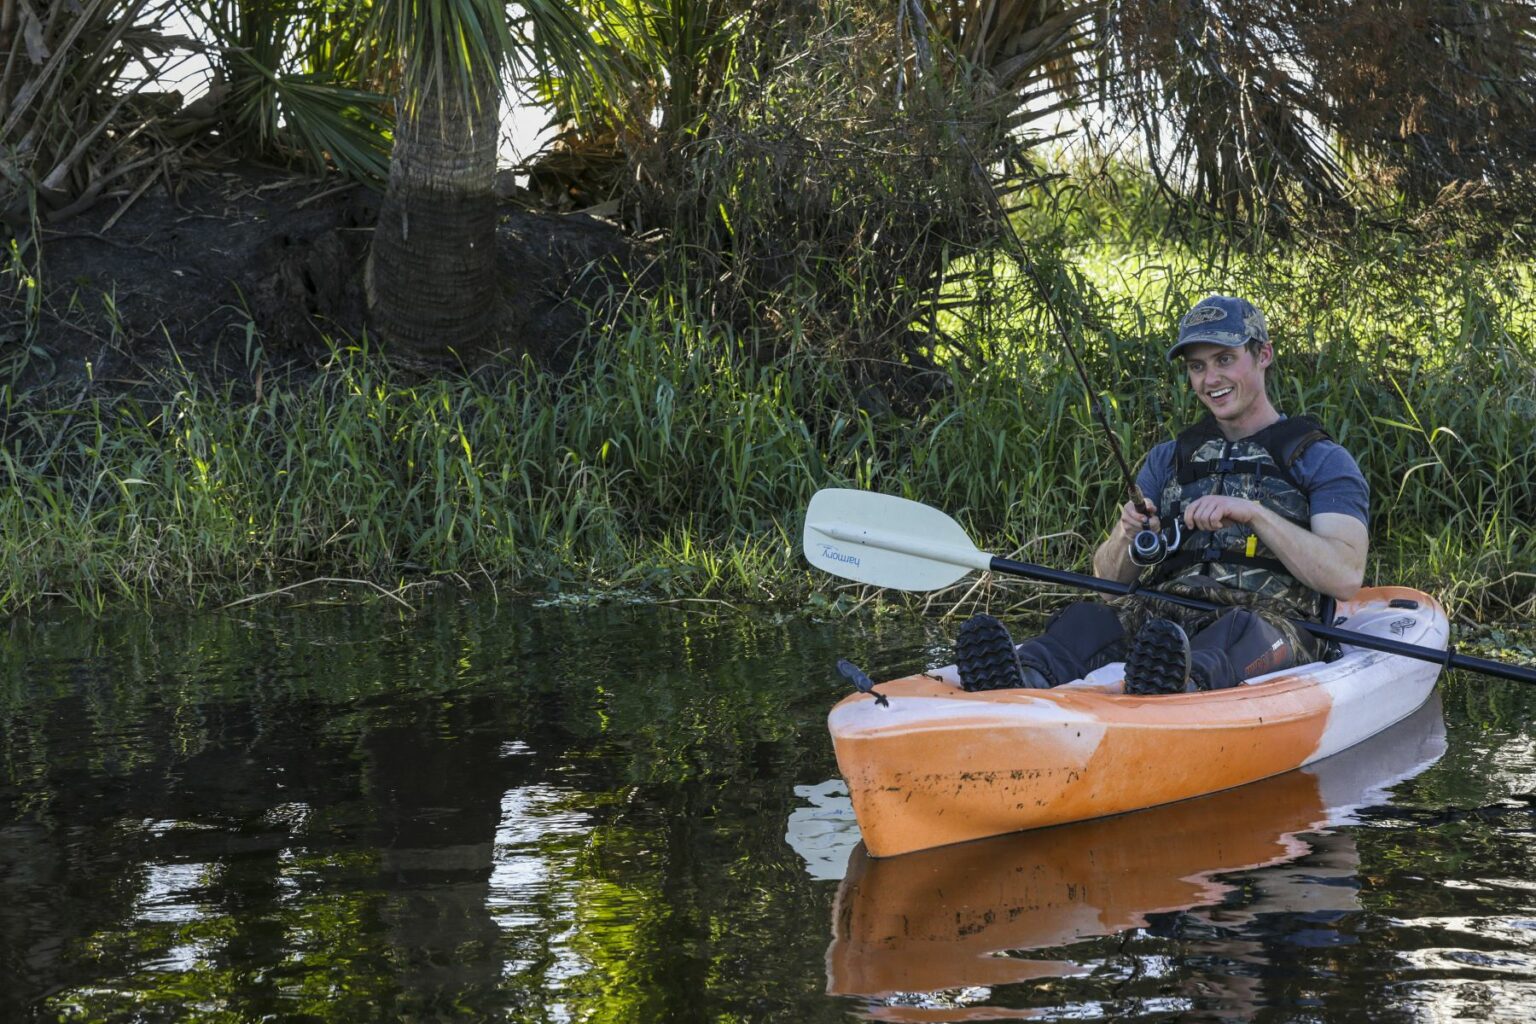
953,921
482,811
491,811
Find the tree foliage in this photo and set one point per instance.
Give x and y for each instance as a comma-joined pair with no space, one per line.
1254,109
1265,110
96,99
812,162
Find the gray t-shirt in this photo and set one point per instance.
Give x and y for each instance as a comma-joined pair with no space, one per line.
1326,472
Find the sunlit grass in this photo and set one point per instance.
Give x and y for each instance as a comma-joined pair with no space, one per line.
674,465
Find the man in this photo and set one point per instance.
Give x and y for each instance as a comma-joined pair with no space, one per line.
1273,521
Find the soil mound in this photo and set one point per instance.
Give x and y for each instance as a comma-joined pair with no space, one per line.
227,261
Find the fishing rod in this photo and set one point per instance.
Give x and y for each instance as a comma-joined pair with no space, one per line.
913,9
1032,272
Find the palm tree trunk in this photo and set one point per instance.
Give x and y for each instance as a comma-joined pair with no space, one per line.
431,277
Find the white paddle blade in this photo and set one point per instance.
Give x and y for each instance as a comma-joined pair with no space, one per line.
887,541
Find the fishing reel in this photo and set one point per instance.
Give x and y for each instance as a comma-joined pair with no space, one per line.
1149,547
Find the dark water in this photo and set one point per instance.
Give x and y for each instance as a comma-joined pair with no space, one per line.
484,811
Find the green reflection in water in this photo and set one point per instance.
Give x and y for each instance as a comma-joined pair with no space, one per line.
343,813
484,811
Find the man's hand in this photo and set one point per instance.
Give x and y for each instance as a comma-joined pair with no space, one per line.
1133,520
1329,557
1112,560
1213,511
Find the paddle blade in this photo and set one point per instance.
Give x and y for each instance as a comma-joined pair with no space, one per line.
887,541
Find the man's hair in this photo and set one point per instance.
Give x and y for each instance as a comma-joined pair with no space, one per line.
1253,345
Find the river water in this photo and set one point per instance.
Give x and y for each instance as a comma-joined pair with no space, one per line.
490,810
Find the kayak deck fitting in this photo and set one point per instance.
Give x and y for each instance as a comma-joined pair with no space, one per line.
939,765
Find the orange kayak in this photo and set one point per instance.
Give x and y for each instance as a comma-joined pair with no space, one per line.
938,765
958,916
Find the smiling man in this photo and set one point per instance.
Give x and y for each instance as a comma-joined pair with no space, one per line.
1271,518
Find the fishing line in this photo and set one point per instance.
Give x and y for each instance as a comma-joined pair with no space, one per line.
1032,272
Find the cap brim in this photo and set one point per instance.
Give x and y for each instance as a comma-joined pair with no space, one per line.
1225,338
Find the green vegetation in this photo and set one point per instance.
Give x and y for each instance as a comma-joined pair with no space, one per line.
675,460
832,309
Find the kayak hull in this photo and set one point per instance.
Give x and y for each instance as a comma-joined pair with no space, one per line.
939,765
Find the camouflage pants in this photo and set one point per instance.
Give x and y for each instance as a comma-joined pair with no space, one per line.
1133,612
1090,634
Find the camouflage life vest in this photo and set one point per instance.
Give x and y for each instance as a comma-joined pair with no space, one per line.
1258,468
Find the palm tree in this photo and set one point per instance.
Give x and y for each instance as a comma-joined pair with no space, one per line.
431,277
431,269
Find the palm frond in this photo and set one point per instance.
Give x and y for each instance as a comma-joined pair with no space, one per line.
291,85
81,102
438,47
331,124
1266,110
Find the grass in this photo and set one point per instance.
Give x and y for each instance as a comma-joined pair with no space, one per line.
675,466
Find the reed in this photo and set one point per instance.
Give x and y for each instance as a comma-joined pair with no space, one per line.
674,464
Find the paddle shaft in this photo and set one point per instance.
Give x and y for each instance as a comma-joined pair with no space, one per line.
887,541
1447,657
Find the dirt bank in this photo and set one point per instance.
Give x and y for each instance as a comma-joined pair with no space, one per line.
230,260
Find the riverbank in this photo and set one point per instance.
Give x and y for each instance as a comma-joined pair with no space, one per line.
673,462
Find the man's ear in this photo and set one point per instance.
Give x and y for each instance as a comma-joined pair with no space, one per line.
1266,353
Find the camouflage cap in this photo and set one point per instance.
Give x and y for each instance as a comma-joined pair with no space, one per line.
1220,320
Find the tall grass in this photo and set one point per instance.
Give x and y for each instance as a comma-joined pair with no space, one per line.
676,462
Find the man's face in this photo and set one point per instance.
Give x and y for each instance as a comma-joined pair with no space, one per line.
1229,381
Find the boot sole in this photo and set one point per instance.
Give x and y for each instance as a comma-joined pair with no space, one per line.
1158,661
985,656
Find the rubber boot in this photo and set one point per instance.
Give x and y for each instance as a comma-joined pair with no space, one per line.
1159,659
986,658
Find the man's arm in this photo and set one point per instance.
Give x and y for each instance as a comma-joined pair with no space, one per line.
1329,558
1112,558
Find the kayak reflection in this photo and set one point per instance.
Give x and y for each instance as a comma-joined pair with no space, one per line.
938,919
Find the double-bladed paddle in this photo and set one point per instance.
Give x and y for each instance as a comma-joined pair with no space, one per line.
893,542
